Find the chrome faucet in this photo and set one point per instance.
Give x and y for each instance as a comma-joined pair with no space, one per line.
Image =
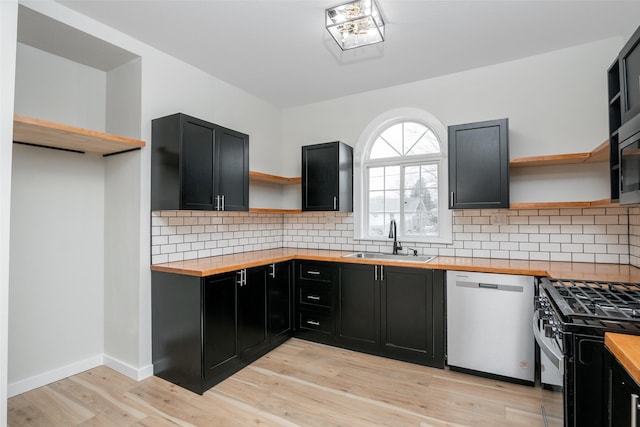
393,234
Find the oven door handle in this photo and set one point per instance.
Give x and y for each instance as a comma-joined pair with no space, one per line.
554,356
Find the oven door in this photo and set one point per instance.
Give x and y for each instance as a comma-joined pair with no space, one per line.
552,365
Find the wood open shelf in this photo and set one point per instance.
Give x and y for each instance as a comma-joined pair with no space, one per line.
273,179
603,203
43,133
599,154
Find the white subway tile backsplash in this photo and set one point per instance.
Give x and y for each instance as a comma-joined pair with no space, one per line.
610,235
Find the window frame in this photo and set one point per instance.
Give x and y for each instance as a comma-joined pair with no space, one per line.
361,171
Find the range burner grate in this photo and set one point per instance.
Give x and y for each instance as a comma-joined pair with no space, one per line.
602,300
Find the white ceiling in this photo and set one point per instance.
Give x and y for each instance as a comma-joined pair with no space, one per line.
280,51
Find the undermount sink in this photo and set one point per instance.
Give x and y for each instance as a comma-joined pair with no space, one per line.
390,257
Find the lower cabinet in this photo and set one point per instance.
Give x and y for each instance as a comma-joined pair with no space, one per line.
412,316
206,329
315,301
622,389
395,312
253,337
280,302
358,307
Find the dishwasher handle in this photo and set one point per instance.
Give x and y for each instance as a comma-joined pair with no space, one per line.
490,286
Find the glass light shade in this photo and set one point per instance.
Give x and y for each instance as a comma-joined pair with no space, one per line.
354,24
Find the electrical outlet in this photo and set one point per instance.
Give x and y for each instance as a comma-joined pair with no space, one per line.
499,219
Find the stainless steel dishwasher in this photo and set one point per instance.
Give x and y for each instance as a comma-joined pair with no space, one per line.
489,324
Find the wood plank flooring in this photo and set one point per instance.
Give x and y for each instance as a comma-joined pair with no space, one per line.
298,384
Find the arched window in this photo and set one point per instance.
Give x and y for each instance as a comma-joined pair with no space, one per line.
403,174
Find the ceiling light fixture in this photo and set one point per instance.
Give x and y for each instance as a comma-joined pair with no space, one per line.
354,24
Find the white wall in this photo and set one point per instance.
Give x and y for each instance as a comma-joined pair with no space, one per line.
166,86
53,88
8,35
57,226
122,223
57,262
556,103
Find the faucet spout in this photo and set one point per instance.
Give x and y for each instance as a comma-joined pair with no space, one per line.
393,234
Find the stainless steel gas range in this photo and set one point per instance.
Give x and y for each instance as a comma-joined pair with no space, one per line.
569,323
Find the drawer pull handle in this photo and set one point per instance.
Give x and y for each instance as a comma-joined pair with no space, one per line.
313,323
313,272
313,297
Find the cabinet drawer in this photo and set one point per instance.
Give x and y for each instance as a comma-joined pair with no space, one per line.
316,271
315,294
313,321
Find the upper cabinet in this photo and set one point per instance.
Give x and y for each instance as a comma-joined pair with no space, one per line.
479,165
327,177
629,71
197,165
615,117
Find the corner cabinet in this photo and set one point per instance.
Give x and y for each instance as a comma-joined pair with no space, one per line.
197,165
479,165
327,177
205,329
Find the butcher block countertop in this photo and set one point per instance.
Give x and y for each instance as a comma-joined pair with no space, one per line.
203,267
625,348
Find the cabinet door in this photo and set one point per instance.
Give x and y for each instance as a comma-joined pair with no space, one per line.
320,177
197,157
358,310
252,316
219,323
630,77
479,165
588,370
280,302
413,315
622,386
232,166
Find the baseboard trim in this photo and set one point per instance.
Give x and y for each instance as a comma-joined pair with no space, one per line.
58,374
54,375
132,372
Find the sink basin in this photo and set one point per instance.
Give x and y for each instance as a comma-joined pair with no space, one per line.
390,257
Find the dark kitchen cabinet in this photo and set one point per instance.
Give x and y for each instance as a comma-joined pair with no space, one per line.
197,165
220,329
479,165
358,309
615,117
327,177
194,329
280,303
629,69
622,388
395,312
412,315
315,295
206,329
253,337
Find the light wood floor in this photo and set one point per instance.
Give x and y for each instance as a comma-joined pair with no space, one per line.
298,384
